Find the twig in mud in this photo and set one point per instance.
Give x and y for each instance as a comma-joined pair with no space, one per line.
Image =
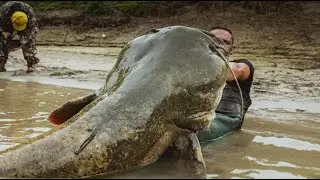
260,90
65,36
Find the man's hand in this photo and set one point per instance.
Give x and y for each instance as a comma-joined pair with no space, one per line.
6,35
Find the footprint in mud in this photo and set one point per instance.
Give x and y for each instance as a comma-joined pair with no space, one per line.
67,73
21,72
300,110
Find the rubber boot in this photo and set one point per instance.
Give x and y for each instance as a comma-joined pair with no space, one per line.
2,65
220,126
30,69
31,62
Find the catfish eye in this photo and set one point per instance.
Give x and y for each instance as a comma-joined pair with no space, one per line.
214,49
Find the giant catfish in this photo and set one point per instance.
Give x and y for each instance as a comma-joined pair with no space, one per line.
165,84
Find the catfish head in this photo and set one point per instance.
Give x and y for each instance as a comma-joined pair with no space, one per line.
174,67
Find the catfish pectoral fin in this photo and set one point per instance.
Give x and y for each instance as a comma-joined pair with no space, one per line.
69,109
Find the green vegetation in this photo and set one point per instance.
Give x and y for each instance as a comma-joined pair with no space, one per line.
93,7
142,8
101,14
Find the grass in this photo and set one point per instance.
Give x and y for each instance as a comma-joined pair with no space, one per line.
90,7
141,8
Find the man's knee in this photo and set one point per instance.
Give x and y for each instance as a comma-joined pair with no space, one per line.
220,126
13,45
28,45
3,49
3,60
29,52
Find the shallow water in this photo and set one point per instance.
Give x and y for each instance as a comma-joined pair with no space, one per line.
265,148
75,58
24,108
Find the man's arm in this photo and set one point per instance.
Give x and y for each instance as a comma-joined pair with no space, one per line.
241,71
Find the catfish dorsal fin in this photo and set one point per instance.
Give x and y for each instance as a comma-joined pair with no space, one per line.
69,109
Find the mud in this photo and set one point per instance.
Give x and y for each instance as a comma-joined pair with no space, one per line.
64,66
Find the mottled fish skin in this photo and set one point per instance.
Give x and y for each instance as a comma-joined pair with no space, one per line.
166,83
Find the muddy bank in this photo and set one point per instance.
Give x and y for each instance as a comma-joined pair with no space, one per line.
270,29
79,67
280,35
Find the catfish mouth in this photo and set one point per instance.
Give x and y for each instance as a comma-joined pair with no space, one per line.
196,121
201,116
195,107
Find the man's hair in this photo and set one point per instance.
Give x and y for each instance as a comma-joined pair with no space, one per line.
223,28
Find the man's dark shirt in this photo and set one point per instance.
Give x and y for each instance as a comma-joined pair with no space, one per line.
230,103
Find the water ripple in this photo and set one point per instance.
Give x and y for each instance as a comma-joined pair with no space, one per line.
287,143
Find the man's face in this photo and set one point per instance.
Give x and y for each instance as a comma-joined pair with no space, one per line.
224,36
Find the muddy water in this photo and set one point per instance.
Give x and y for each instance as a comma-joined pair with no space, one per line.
280,136
24,108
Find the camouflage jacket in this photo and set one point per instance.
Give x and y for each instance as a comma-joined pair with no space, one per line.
6,11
